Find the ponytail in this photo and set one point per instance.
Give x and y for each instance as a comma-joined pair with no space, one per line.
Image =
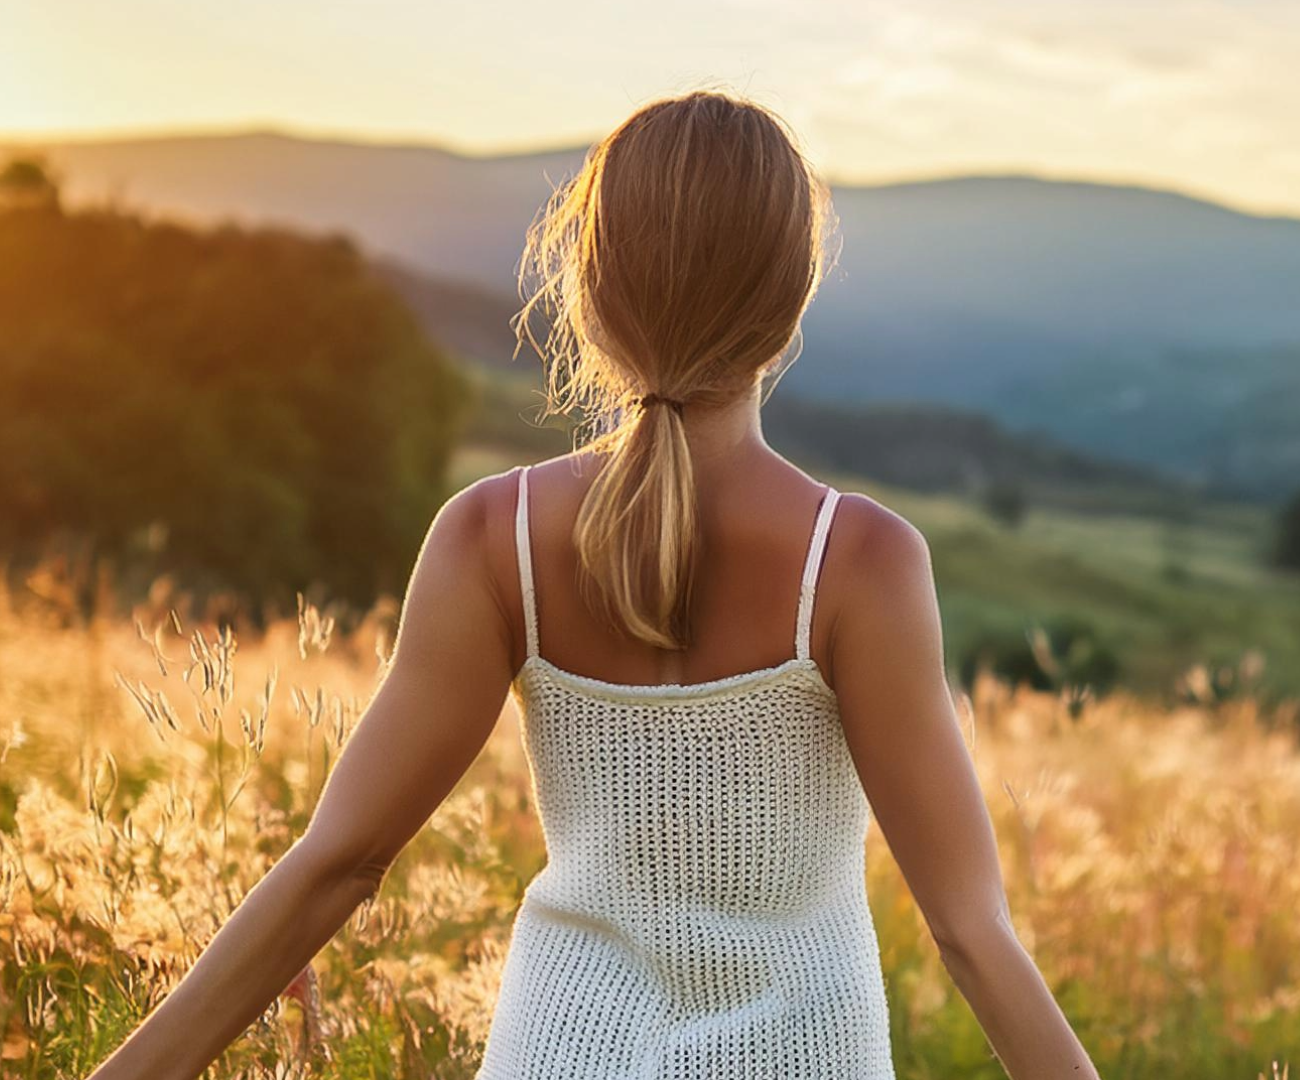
637,529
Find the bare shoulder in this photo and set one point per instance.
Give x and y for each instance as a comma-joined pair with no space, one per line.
875,547
462,524
470,539
883,596
486,500
480,521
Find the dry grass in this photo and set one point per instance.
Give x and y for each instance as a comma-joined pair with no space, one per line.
152,769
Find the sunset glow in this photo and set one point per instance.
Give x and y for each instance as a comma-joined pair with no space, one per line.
1190,95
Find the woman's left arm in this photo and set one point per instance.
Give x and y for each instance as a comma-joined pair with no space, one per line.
436,705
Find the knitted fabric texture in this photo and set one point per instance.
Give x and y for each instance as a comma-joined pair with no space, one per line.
703,910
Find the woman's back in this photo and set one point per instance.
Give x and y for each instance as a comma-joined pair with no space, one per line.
756,519
703,909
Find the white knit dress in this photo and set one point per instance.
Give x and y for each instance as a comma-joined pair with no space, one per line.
703,912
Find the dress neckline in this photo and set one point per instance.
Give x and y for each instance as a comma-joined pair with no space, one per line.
726,684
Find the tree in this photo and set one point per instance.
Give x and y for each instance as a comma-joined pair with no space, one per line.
1004,500
262,399
27,182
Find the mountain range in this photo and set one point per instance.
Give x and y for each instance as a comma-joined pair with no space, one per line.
1125,321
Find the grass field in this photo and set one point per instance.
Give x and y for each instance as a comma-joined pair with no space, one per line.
1149,854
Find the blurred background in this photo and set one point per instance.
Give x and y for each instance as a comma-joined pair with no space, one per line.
257,270
259,264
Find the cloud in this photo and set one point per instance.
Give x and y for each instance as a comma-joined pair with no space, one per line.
1178,90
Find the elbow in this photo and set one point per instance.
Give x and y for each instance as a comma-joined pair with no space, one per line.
371,874
331,862
974,943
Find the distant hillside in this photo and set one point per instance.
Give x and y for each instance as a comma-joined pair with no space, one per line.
937,448
245,409
918,447
925,447
1232,415
999,293
468,319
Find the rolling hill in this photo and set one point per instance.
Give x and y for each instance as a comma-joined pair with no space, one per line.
1113,317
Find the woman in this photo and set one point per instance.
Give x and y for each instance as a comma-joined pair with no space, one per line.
704,792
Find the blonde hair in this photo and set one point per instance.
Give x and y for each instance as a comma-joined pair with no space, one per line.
678,262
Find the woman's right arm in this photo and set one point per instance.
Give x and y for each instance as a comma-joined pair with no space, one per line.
899,719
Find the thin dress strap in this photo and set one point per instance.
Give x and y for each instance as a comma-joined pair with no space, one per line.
524,554
811,571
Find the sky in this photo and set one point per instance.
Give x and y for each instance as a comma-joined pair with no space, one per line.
1198,96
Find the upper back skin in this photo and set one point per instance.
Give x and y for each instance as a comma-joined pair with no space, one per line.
756,523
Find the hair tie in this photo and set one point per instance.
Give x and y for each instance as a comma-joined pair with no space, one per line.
646,400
